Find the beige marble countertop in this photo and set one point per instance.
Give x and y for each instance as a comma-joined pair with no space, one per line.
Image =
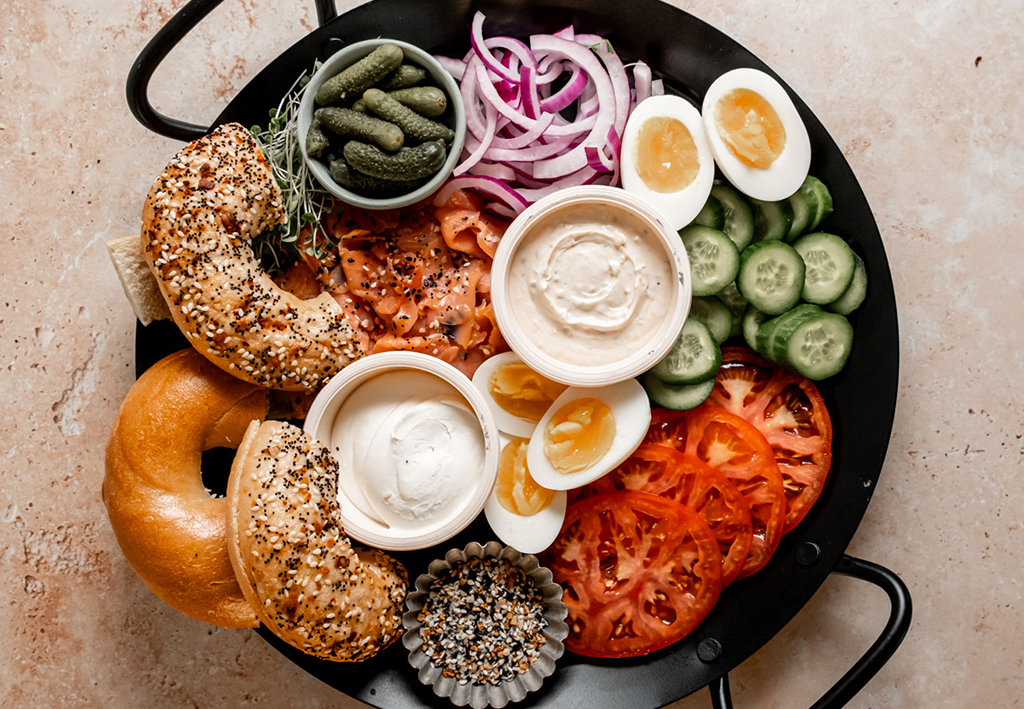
923,98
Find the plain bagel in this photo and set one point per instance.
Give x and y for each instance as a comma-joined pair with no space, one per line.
214,196
171,530
307,582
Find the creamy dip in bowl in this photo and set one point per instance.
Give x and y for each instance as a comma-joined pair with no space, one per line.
416,445
590,286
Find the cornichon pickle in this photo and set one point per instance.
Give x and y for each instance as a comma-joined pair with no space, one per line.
407,164
368,185
411,123
405,76
352,124
316,141
360,76
360,106
425,100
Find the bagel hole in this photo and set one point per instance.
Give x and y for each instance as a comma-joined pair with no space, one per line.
216,466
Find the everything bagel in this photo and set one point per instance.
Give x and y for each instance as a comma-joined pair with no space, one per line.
301,574
214,196
169,527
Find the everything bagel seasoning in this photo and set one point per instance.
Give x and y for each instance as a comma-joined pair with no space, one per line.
483,622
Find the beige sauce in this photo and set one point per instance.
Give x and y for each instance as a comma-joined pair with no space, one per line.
590,284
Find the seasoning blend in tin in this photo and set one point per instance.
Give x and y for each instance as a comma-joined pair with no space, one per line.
484,626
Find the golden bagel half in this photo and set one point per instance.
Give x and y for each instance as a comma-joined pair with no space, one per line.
208,203
295,564
171,530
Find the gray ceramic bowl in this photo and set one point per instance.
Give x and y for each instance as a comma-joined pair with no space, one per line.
455,116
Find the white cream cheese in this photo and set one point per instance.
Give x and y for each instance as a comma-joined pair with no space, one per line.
590,284
410,449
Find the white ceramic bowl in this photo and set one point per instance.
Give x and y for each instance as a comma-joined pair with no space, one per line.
455,117
320,422
645,354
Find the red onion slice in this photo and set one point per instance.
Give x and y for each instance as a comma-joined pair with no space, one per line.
642,81
568,93
485,144
486,185
657,87
476,38
455,67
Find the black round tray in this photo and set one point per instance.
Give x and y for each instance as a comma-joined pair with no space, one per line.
689,55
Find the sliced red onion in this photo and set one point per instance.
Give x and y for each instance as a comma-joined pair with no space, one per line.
491,96
620,85
473,106
528,92
514,46
657,87
502,210
576,159
585,176
642,81
568,93
591,40
568,32
524,139
495,170
476,38
455,67
485,144
486,185
539,151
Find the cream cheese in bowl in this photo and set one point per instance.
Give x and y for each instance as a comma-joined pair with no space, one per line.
416,445
590,286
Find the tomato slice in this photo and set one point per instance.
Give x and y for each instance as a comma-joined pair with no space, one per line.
640,572
663,470
737,450
790,413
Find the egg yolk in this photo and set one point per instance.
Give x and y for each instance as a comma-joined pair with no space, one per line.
749,125
516,489
579,434
666,156
522,392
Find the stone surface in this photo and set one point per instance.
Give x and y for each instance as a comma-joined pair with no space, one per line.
925,103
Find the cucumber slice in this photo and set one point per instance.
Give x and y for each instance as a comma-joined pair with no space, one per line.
783,329
739,219
851,299
714,259
830,266
772,220
712,214
715,314
818,347
765,338
803,210
695,357
731,296
682,397
813,188
771,276
752,320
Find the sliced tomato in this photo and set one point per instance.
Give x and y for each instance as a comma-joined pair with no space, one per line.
790,413
737,450
662,470
640,572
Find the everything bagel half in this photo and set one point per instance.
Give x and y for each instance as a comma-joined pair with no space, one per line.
171,530
214,196
295,564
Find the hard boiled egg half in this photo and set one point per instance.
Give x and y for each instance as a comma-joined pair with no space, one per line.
756,135
588,432
523,514
665,158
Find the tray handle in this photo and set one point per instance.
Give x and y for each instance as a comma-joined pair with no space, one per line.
183,22
877,655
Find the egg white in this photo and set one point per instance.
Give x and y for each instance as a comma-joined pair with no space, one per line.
784,176
632,411
677,208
